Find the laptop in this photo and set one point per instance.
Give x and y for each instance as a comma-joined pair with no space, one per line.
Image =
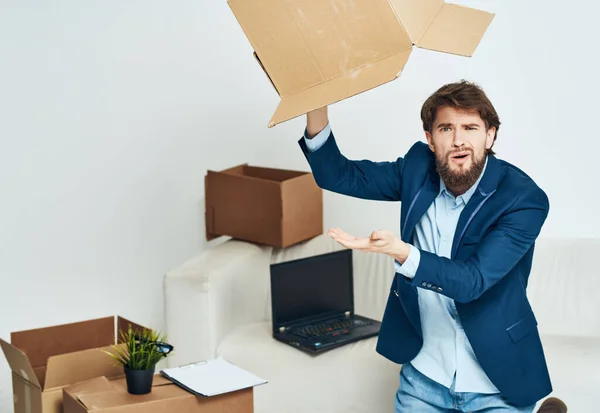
312,303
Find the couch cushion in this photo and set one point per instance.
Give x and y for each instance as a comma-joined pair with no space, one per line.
352,378
574,364
355,378
564,286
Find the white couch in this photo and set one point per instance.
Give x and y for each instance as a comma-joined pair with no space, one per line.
218,303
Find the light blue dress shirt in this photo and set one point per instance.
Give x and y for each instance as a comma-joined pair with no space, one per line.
446,351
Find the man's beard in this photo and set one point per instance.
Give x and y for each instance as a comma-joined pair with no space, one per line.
459,181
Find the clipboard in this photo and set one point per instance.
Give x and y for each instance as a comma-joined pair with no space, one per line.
212,377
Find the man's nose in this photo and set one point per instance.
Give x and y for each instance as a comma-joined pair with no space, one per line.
457,139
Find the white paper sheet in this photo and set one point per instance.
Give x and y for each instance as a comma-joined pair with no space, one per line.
212,377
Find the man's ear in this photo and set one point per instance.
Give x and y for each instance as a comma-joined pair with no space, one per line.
430,141
489,139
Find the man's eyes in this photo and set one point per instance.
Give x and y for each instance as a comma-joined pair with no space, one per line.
448,128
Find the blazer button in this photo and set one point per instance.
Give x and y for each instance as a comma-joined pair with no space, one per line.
439,289
428,285
424,284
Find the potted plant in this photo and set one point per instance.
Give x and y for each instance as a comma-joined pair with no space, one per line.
138,352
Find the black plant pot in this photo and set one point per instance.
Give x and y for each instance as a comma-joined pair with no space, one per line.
139,381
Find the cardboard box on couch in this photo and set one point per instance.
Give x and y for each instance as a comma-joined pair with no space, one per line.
45,360
316,53
275,207
103,396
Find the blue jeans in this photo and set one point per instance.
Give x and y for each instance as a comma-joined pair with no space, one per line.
418,393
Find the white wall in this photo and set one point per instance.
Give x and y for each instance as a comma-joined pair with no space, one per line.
111,112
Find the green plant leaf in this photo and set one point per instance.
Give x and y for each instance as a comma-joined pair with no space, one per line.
137,354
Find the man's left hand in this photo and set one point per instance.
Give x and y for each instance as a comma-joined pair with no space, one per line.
382,241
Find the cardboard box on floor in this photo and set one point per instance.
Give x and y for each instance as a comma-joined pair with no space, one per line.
103,396
45,360
267,206
320,52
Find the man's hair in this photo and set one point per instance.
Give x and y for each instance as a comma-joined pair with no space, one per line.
463,95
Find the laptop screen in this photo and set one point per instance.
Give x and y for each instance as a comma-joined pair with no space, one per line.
313,286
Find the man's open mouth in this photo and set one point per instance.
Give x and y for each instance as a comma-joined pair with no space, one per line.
460,155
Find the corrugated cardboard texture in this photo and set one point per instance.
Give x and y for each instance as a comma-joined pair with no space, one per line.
71,393
103,396
444,35
316,53
19,363
302,209
123,325
52,401
416,16
27,398
316,49
249,203
243,207
81,365
351,84
38,389
42,343
40,374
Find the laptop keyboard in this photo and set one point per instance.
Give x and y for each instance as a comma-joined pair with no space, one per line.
333,327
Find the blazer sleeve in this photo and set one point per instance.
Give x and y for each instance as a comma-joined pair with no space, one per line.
380,181
495,256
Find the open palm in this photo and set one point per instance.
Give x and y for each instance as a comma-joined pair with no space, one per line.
382,241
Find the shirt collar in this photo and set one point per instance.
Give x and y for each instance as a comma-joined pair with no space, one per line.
469,193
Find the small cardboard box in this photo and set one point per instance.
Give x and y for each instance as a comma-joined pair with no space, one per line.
316,53
45,360
275,207
103,396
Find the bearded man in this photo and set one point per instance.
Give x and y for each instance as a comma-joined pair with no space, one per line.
457,317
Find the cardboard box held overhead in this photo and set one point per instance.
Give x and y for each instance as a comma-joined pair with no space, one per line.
320,52
45,360
275,207
103,396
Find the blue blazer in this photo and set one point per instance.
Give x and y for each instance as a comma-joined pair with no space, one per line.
488,271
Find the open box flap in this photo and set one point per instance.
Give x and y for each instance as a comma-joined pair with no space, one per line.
78,366
19,363
242,190
335,90
302,43
456,29
416,15
42,343
123,325
277,175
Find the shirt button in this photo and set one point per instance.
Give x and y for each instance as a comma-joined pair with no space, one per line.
460,340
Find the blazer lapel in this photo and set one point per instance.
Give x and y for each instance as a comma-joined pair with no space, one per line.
486,188
420,203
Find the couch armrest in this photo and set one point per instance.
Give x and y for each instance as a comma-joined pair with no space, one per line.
211,294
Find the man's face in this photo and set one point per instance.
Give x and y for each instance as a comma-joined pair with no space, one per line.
460,142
